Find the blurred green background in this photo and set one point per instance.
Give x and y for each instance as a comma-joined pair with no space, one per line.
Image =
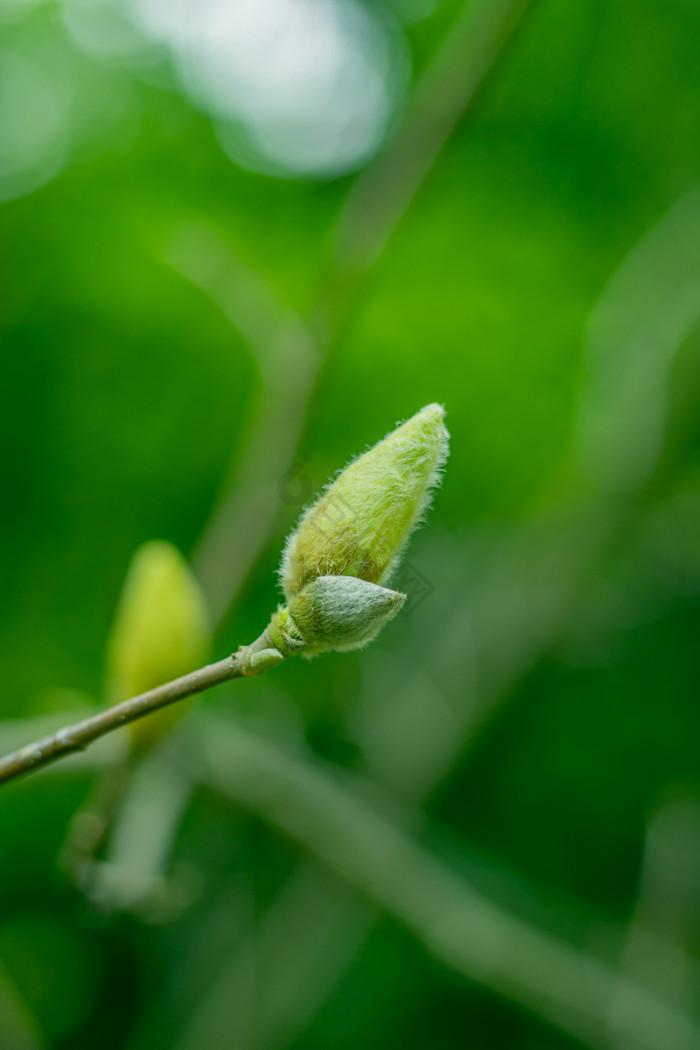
240,240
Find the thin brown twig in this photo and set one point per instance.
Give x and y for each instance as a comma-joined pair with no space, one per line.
74,738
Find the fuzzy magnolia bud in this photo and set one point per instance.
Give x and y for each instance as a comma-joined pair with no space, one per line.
348,543
160,632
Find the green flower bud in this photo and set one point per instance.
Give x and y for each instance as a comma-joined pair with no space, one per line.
341,613
354,534
362,521
160,632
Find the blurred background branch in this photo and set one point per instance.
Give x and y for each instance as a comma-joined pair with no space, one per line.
456,923
18,1029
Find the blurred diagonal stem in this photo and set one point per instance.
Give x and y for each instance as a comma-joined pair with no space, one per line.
467,931
381,195
295,350
248,660
19,1029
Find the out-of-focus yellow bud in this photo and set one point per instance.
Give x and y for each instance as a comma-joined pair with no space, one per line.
160,632
357,531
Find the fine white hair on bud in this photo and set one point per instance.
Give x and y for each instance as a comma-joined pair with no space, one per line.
341,613
355,533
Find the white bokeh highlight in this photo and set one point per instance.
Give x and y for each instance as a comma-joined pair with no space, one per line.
306,87
34,122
